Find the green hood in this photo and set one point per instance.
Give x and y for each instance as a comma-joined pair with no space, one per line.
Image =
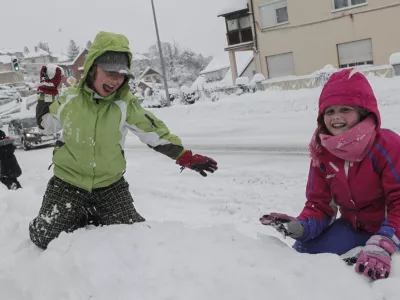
103,42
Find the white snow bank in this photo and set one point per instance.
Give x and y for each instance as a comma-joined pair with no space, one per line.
242,80
170,261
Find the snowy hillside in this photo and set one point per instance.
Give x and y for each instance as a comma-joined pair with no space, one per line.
202,239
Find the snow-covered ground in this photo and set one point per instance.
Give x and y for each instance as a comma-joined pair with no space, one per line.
202,239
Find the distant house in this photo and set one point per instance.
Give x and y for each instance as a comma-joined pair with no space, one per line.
12,52
73,67
33,61
7,73
5,63
151,75
139,63
218,72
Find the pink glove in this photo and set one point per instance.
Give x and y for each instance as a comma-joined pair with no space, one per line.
375,257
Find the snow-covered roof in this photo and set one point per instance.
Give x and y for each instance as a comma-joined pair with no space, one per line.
9,51
69,62
144,73
138,56
243,59
221,61
234,5
395,59
38,53
5,59
62,58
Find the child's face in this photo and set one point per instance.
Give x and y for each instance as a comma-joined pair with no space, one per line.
340,118
107,83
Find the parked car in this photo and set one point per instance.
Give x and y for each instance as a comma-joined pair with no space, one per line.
26,134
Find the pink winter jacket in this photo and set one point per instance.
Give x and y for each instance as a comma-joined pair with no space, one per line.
367,192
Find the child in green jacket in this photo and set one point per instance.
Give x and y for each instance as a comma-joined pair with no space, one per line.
89,160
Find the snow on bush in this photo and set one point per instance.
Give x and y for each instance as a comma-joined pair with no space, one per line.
320,77
242,80
258,78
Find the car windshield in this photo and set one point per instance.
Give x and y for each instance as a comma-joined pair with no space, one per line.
28,123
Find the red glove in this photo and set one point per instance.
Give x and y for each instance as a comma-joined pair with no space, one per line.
197,162
50,78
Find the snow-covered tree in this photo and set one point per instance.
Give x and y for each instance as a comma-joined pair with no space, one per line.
26,50
44,46
182,65
73,50
88,44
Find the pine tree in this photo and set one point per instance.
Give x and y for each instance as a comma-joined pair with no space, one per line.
26,50
88,44
73,50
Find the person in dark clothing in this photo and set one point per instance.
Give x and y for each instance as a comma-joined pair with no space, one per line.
9,167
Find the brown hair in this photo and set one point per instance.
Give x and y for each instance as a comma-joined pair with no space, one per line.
91,76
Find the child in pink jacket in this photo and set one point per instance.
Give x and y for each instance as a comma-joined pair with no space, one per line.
355,166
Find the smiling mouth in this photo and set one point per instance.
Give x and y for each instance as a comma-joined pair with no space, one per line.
338,125
108,88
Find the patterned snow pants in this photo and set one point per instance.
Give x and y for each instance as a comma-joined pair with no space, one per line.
66,208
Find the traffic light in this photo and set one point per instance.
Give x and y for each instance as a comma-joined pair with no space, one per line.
15,64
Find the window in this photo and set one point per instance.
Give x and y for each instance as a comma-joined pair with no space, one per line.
280,65
244,22
232,24
239,29
274,13
355,53
282,15
339,4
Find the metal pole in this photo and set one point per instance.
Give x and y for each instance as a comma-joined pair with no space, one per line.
161,55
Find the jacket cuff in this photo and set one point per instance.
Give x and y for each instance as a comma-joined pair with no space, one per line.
390,233
306,230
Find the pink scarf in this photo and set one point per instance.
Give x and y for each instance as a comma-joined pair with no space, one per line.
353,144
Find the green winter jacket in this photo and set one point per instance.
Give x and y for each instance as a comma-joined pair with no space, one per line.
94,130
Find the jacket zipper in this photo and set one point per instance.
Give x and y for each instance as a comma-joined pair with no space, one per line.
346,168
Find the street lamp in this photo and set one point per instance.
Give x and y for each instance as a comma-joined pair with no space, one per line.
161,55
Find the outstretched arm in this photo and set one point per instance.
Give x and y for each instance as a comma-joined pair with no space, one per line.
153,132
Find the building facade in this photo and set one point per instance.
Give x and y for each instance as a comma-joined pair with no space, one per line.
292,37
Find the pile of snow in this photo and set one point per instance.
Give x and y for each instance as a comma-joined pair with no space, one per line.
242,81
258,78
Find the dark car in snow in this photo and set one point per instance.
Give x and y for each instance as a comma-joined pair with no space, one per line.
26,134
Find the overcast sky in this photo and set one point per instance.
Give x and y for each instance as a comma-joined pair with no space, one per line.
191,23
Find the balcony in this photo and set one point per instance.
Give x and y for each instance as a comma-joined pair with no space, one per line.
238,27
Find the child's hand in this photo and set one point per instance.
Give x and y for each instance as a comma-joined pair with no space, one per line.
286,225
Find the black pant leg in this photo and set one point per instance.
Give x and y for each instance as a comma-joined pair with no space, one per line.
62,210
114,204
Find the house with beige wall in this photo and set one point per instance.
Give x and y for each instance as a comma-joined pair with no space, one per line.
292,37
